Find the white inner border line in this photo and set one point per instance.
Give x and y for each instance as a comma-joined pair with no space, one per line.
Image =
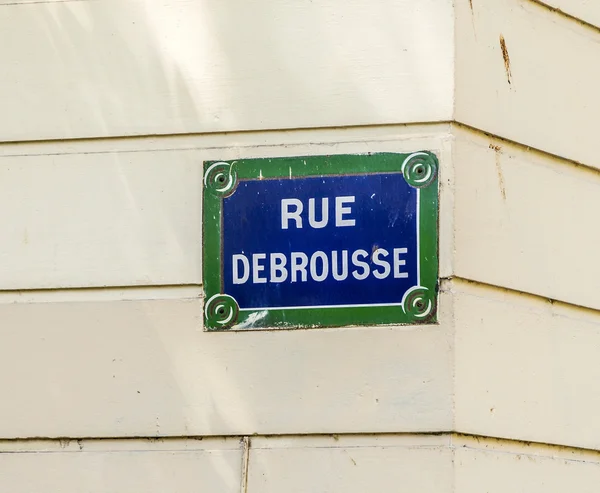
317,306
363,305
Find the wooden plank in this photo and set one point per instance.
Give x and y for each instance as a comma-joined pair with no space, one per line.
526,221
182,467
482,465
128,213
540,90
396,463
113,68
526,369
586,10
100,219
382,465
146,368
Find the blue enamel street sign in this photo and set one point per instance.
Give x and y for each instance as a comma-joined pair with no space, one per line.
320,241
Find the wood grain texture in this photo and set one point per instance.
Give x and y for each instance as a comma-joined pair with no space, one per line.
541,89
526,221
146,368
129,213
526,369
113,68
182,467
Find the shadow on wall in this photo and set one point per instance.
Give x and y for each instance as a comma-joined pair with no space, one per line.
96,68
102,65
92,68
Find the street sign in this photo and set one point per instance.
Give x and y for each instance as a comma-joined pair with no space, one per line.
320,241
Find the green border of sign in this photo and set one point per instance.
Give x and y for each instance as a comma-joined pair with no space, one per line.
420,170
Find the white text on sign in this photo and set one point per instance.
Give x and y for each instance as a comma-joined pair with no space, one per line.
279,267
292,209
299,267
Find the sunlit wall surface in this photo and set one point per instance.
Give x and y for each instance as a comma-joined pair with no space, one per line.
108,108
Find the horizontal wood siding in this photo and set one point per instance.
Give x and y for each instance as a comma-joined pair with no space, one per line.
541,89
526,221
113,68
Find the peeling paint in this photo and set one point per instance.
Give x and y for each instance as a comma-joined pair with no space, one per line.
251,320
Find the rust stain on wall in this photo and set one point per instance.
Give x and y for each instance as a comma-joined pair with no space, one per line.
498,151
473,18
506,59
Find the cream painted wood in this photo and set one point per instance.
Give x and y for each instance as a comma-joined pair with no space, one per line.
525,368
344,464
526,221
239,144
142,67
427,464
100,219
146,368
492,445
182,466
482,465
125,218
61,353
585,10
114,214
545,96
347,465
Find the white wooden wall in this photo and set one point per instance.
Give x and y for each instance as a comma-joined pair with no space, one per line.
138,67
108,109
